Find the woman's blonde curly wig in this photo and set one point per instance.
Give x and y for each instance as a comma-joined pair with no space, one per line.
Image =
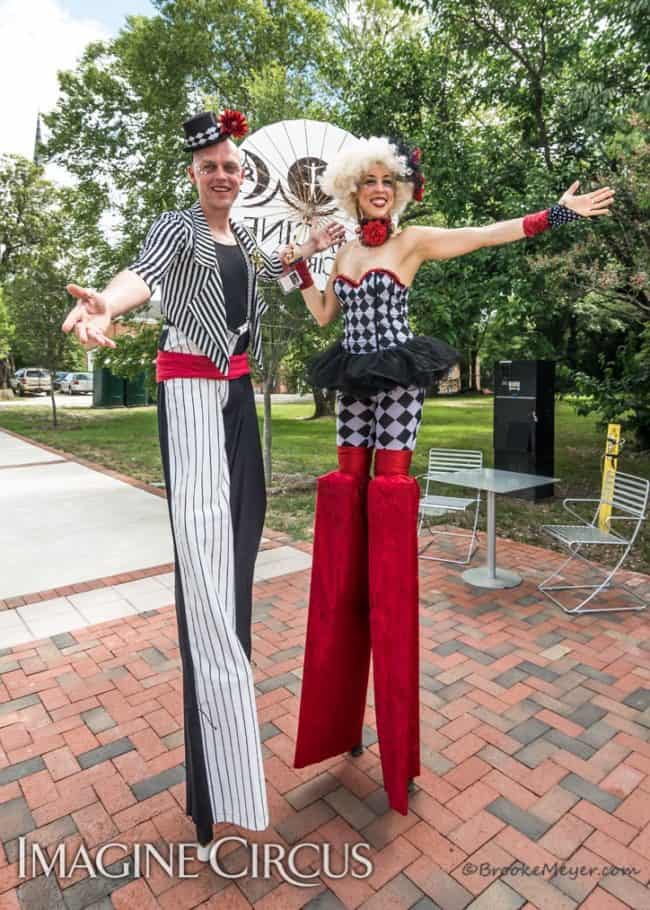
344,174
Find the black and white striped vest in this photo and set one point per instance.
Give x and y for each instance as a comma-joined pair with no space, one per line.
180,254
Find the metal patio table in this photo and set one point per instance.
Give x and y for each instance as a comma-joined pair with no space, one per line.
493,481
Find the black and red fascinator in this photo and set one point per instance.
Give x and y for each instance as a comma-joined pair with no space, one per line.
412,159
207,128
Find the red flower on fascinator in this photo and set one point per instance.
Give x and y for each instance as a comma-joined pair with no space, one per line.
233,123
416,157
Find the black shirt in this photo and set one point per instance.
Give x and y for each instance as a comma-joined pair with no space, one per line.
234,276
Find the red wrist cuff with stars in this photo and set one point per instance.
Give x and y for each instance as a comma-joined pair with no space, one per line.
556,216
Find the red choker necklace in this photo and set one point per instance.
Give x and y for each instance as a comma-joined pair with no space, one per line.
375,231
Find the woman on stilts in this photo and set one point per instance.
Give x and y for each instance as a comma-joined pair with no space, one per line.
364,585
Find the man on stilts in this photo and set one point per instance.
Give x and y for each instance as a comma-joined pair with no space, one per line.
207,266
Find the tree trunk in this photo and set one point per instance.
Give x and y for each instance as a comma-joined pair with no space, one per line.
538,104
471,370
478,382
6,370
324,403
268,430
572,342
54,418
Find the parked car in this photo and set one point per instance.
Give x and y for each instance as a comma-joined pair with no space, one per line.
58,376
30,381
77,384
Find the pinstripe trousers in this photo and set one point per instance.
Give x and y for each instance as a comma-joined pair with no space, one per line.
213,471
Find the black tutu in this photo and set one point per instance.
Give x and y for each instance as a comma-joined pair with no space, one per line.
421,361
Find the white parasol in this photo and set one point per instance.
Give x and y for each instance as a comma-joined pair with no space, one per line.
281,199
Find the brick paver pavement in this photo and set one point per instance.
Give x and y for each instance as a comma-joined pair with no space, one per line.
535,785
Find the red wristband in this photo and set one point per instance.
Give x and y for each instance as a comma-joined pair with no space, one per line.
536,223
305,275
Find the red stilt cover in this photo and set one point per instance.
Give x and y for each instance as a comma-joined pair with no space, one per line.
394,627
337,649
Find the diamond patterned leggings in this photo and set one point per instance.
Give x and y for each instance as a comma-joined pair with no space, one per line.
386,420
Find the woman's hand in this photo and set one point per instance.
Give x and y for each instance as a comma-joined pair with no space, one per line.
331,235
588,205
288,255
319,239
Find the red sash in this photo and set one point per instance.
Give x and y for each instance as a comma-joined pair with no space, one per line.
173,365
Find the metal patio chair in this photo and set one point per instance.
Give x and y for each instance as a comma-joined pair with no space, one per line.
432,505
629,499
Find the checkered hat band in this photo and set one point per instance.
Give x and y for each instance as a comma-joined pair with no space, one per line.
203,137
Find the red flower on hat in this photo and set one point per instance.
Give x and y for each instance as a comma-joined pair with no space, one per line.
416,157
233,123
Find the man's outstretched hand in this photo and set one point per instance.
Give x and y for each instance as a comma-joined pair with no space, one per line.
90,318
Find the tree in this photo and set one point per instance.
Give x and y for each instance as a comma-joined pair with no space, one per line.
34,290
117,124
7,331
509,102
620,394
23,196
610,271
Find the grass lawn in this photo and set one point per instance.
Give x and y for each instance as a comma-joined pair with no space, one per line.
127,441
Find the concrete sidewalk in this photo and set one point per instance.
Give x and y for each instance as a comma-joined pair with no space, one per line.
80,545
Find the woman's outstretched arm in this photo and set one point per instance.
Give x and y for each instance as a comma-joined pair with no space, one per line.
446,243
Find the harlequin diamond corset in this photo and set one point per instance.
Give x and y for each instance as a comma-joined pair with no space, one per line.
378,350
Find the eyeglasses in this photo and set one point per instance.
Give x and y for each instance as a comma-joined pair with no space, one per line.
209,169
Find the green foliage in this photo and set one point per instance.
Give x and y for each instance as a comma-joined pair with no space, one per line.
23,196
7,329
510,100
621,394
304,345
117,125
47,247
134,354
38,305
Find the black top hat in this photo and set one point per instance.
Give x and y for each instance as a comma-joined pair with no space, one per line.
206,128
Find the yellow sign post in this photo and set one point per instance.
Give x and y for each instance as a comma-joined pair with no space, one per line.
612,448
